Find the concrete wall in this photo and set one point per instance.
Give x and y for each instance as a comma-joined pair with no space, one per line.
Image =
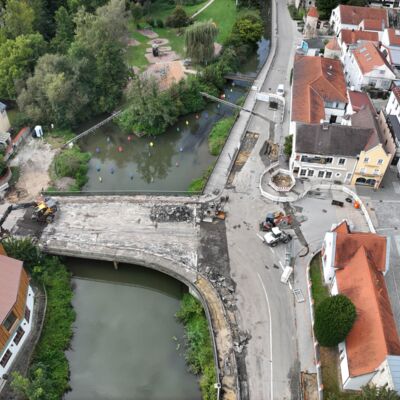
383,376
357,382
328,257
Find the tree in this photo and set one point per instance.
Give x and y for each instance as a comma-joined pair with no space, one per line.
18,18
248,29
287,146
178,18
334,318
52,94
64,31
377,393
325,7
17,59
199,40
136,11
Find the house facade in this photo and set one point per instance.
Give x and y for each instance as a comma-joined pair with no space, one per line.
4,122
366,67
16,307
310,26
354,17
318,91
393,104
354,264
347,38
391,40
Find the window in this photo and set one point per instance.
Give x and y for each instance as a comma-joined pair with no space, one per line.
27,314
18,335
10,320
310,172
366,159
6,357
380,161
342,161
362,171
329,160
328,175
321,174
304,158
376,171
303,172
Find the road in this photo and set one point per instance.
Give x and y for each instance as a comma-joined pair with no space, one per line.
265,306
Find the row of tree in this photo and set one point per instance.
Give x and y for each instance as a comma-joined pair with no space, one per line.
69,69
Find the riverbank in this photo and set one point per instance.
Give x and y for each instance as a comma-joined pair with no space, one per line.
198,353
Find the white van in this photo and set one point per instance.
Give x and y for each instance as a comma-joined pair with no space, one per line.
281,90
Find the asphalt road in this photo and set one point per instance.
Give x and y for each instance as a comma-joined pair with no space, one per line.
265,305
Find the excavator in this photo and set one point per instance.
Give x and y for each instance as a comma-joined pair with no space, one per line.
44,211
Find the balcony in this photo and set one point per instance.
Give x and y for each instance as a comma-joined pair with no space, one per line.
317,160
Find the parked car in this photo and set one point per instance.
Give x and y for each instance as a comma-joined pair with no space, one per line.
281,90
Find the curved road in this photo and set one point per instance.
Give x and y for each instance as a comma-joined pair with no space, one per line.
265,305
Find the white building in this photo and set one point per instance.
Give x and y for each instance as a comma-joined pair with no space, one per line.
354,264
391,40
365,66
393,104
349,37
353,17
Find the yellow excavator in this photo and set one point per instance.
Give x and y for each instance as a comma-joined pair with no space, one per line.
45,210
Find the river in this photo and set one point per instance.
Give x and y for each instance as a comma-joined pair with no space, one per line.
122,162
127,343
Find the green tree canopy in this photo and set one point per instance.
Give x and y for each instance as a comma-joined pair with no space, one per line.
334,318
377,393
199,40
18,18
17,60
248,29
52,94
64,30
178,18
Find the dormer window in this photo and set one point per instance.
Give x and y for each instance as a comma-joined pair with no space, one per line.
9,321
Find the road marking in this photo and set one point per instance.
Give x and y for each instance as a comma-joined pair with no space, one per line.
270,335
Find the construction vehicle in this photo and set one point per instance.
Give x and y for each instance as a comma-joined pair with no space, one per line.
275,219
45,210
276,236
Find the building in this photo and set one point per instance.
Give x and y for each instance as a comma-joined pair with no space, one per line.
16,306
376,157
347,38
328,152
391,40
318,91
333,49
311,24
393,104
366,67
354,264
311,47
357,18
358,101
4,122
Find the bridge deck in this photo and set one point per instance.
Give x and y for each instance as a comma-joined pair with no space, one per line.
111,229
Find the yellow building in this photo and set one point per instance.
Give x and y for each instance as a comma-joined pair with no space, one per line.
371,166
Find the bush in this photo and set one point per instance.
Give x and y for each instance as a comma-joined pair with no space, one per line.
178,18
334,318
198,185
287,147
72,163
150,21
199,353
219,134
49,373
3,165
296,14
136,11
248,29
160,23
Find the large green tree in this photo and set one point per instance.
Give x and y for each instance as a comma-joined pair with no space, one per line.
52,94
334,318
248,29
199,40
64,30
18,18
17,60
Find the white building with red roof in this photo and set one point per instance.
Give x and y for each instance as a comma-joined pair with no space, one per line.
310,27
354,264
391,40
354,17
366,66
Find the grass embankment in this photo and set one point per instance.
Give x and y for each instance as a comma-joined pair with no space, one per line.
48,375
219,134
199,353
329,356
198,185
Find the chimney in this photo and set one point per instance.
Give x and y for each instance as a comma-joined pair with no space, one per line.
330,67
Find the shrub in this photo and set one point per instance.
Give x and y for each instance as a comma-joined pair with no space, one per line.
178,18
287,146
160,23
3,165
248,29
334,318
219,134
150,21
197,185
136,11
199,354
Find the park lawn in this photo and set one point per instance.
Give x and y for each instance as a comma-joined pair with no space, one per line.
223,13
135,55
161,10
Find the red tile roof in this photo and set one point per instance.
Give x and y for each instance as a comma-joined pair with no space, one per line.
368,57
374,335
360,100
10,274
333,44
394,37
372,24
353,15
348,36
313,12
316,80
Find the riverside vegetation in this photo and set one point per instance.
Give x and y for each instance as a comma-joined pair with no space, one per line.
48,374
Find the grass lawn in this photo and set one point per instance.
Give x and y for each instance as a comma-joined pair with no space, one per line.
329,356
223,13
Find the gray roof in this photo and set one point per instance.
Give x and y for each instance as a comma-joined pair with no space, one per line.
2,106
394,366
315,43
335,140
395,126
